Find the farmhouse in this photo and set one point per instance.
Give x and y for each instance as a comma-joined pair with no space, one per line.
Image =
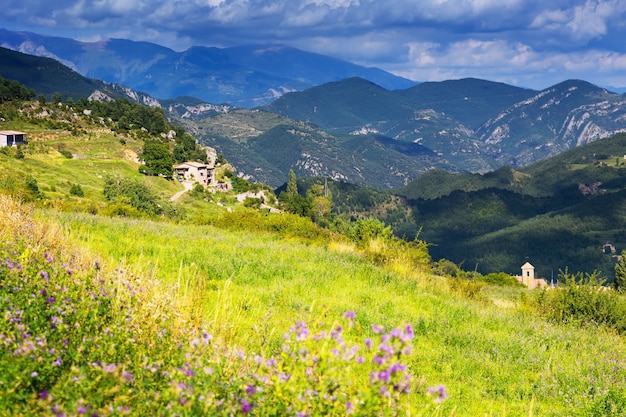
528,277
12,138
194,171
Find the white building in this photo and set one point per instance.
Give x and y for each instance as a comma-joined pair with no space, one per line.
12,138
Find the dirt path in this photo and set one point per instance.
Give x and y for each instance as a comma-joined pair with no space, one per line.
188,186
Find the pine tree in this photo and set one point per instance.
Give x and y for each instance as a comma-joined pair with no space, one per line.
620,273
292,184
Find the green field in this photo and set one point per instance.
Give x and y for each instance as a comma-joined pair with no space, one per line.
232,313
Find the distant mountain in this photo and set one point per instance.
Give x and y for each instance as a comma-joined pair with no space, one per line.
470,101
245,76
476,125
264,146
558,118
49,77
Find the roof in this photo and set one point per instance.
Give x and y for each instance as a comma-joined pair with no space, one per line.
527,265
191,164
11,132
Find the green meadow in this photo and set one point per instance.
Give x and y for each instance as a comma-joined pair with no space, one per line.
226,310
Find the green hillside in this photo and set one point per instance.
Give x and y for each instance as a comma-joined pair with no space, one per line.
471,101
558,213
46,76
209,307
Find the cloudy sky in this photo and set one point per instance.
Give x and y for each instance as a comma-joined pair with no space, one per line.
529,43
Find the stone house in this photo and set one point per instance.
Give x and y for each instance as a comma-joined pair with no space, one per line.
194,171
12,138
528,277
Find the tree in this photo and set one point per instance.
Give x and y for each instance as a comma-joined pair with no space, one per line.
620,273
186,148
321,201
292,184
158,159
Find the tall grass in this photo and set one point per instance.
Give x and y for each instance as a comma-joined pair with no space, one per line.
249,288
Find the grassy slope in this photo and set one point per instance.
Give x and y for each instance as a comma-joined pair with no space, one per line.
494,356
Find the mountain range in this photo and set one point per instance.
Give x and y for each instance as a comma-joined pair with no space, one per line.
381,132
244,76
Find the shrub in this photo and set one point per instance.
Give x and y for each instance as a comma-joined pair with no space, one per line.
66,153
77,190
500,278
584,300
252,202
125,191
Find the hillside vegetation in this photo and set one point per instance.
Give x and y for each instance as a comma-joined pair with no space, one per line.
562,212
218,309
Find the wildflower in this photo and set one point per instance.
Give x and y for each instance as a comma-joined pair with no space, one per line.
439,392
51,300
349,407
350,315
368,343
110,368
246,407
127,376
34,374
250,390
43,395
377,329
44,275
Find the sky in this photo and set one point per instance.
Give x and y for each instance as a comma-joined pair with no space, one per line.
527,43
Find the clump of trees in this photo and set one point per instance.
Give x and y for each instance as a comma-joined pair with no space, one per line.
13,90
317,203
132,198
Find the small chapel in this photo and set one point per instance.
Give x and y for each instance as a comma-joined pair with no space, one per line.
528,277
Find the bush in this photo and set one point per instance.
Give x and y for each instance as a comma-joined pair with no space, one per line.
77,190
127,192
66,153
501,279
584,300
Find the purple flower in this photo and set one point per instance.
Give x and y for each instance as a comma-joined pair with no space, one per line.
439,392
350,315
51,300
368,343
44,275
34,374
384,376
43,395
110,368
250,390
246,407
377,329
127,376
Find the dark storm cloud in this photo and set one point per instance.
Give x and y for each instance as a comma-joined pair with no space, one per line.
527,42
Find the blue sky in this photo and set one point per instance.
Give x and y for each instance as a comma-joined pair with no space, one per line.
529,43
